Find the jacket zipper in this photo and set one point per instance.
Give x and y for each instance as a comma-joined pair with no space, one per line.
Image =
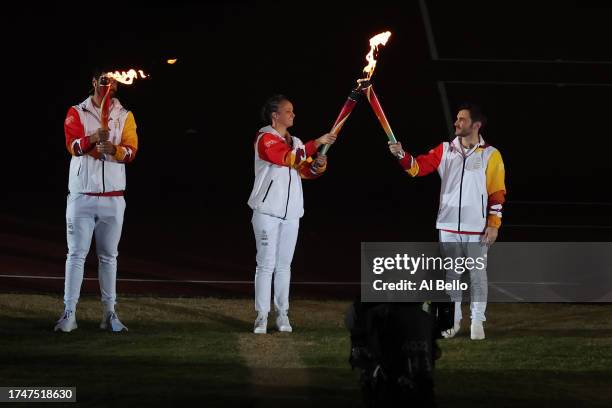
288,193
104,186
267,191
79,170
482,204
460,194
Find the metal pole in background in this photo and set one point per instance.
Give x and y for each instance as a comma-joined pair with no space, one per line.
433,51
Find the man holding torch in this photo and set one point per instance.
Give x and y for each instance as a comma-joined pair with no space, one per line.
101,137
471,199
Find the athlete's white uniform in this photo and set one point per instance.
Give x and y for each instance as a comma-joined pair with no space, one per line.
95,205
277,203
472,193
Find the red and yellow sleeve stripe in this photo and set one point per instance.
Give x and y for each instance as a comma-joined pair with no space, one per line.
76,142
496,189
423,164
274,150
126,150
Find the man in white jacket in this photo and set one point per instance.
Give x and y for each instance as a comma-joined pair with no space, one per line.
472,194
95,205
281,161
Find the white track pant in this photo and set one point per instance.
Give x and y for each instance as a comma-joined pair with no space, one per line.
87,216
275,239
478,277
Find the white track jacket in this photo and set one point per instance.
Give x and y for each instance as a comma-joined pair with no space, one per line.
279,168
473,188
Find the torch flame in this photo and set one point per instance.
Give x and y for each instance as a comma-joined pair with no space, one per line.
375,42
128,77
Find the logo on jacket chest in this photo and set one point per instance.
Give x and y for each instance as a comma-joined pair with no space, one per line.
474,163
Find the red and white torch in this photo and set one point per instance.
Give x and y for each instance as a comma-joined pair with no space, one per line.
380,114
369,90
104,91
362,85
126,78
104,87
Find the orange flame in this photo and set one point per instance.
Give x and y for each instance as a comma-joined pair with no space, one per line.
172,61
375,42
128,77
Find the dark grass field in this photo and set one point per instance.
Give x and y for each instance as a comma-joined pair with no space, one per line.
200,352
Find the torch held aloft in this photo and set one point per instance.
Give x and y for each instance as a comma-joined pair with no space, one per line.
346,110
380,114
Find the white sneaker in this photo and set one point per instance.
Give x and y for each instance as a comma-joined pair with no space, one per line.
452,332
477,330
67,322
282,323
261,324
111,322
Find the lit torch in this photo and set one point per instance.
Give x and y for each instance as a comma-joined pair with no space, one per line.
369,90
362,84
123,77
345,112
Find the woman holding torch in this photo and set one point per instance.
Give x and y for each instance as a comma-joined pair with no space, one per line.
281,161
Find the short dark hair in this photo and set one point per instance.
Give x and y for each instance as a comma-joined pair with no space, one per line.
272,104
97,71
475,113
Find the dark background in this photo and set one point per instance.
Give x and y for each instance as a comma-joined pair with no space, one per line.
543,77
